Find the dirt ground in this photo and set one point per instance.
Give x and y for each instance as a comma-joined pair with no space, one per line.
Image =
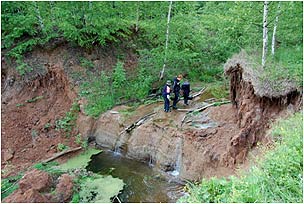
28,133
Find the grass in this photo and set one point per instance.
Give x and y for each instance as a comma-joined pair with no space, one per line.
69,121
9,185
287,63
278,177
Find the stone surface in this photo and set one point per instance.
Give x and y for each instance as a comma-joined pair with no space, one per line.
36,180
28,196
64,189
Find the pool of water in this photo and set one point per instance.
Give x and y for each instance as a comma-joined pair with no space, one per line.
143,182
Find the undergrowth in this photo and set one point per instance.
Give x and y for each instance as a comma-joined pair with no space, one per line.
69,121
9,185
278,177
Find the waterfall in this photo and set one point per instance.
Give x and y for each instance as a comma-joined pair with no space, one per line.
151,162
178,162
121,144
117,149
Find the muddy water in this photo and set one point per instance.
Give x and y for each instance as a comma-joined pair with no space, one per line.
143,183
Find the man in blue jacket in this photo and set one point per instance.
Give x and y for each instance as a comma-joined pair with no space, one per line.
176,89
186,91
166,95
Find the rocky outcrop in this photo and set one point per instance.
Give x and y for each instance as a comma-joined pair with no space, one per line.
31,188
193,152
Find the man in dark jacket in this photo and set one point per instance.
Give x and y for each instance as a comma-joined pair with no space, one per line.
186,91
166,95
176,89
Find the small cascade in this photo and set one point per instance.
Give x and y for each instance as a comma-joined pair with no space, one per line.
178,163
151,161
121,144
117,150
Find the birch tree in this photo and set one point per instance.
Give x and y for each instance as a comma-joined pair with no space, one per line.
167,39
275,29
265,34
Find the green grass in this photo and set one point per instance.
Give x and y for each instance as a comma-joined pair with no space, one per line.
9,185
69,121
287,63
278,177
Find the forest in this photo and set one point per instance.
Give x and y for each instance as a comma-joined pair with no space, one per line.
150,42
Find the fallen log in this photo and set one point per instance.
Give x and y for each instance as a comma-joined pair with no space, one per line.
199,93
60,154
136,123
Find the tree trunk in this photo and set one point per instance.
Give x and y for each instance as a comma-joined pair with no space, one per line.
265,34
167,39
275,29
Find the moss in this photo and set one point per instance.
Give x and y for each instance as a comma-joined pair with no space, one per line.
79,161
99,189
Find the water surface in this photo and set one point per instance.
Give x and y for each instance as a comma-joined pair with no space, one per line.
143,183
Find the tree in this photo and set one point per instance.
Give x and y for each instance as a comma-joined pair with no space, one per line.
274,29
265,33
167,39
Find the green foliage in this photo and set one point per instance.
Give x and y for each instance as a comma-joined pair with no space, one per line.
80,141
119,76
99,189
34,99
79,161
86,63
9,185
61,147
34,133
76,198
20,104
47,126
49,167
218,90
277,178
97,91
69,121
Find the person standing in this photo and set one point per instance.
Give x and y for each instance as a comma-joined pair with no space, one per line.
176,89
186,91
166,96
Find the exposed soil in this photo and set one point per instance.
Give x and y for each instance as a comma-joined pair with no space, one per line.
28,132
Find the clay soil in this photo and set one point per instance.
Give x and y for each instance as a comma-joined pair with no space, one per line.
28,133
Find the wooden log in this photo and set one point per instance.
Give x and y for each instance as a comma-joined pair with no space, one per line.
199,93
136,123
61,153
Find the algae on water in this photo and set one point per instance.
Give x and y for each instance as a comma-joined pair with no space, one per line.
100,189
80,161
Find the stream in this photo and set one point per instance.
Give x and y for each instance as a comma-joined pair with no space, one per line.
143,182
